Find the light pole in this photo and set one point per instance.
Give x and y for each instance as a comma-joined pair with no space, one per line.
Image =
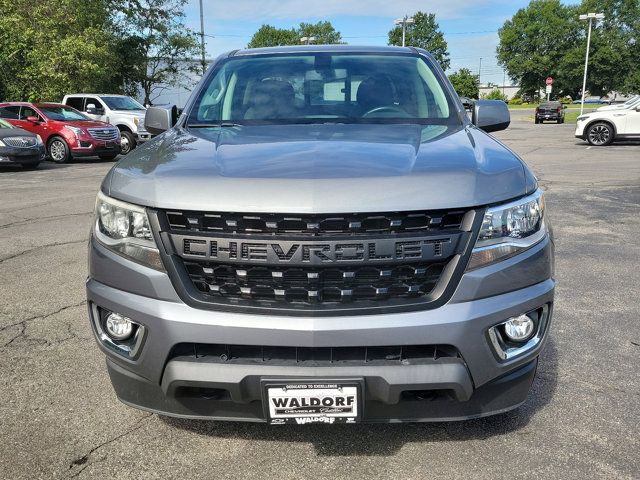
406,20
202,59
590,17
308,40
479,72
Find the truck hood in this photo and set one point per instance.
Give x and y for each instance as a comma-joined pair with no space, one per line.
320,169
129,113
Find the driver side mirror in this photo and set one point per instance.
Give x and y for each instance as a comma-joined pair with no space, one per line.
33,119
160,119
92,110
491,115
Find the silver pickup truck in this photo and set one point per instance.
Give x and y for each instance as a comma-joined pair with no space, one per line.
322,236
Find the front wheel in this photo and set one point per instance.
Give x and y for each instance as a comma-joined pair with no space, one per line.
127,142
600,134
59,150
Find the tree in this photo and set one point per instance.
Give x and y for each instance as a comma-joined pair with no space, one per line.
465,83
495,94
547,39
533,45
423,33
49,48
324,33
157,46
269,36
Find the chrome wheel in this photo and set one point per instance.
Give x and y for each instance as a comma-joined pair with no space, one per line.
599,134
58,151
125,146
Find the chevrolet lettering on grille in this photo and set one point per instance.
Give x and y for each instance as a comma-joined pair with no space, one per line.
373,250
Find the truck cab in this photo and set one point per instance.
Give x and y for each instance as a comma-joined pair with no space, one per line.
120,110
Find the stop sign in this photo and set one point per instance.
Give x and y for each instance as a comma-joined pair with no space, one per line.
549,81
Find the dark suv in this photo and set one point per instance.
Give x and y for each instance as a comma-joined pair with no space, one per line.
322,235
550,112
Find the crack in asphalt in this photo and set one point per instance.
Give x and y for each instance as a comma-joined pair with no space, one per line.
40,341
24,252
84,460
27,221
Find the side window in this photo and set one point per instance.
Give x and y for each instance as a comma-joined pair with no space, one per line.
29,112
10,111
92,100
75,102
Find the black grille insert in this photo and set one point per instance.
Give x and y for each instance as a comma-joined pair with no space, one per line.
314,285
312,356
343,224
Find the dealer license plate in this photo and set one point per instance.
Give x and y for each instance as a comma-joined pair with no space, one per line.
312,402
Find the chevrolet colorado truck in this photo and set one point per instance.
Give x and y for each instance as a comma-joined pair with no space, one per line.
322,236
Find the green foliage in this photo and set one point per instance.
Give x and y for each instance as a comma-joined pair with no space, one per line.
155,45
516,101
494,94
547,39
51,47
465,83
423,33
269,36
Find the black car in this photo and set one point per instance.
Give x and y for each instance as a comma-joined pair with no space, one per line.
550,112
17,146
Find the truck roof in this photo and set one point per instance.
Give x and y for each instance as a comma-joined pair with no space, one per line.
323,48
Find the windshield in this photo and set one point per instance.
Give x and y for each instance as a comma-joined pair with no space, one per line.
5,124
61,113
122,103
632,100
323,88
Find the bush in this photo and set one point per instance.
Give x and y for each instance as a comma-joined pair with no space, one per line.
566,100
495,94
516,101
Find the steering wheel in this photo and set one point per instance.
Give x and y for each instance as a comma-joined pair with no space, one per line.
387,111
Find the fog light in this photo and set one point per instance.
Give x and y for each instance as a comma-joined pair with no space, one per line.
118,326
519,329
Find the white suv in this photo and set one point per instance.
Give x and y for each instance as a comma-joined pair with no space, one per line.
601,127
119,110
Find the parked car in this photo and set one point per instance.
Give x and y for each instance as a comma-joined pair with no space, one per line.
20,147
66,132
593,101
323,235
467,102
120,110
600,128
631,103
550,112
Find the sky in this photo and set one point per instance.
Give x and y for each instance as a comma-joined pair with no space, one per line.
469,26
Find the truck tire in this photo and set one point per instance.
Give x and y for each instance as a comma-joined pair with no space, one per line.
127,142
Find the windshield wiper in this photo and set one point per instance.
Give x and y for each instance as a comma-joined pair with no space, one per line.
214,125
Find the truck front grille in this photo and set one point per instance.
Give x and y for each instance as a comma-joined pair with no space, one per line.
312,356
318,264
314,285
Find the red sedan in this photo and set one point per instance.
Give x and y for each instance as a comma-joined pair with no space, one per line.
66,132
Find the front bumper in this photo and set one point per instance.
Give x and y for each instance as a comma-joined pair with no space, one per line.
22,156
478,384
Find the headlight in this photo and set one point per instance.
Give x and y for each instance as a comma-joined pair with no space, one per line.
76,131
39,140
2,144
136,121
509,229
124,229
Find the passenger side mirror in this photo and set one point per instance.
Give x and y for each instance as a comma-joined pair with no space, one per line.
491,115
33,119
160,119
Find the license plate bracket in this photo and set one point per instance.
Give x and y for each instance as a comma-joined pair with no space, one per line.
304,400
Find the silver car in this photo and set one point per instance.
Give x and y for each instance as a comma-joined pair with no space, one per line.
322,236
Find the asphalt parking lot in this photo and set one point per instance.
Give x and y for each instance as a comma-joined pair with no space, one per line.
59,417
